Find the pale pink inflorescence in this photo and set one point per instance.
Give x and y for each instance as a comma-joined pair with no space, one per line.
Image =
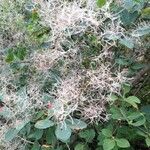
78,90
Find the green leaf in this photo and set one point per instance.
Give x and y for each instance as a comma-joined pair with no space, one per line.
147,140
141,31
123,143
43,124
76,124
22,124
63,132
141,133
128,17
146,13
116,148
128,4
126,131
122,61
126,88
80,146
107,132
6,112
38,134
100,138
10,57
137,66
112,97
134,115
108,144
20,53
116,114
50,136
110,36
26,130
127,42
139,122
38,115
136,119
101,3
36,146
11,134
88,135
132,100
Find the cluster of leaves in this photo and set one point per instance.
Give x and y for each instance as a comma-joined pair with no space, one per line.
129,122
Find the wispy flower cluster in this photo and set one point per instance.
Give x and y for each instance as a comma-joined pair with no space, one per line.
79,90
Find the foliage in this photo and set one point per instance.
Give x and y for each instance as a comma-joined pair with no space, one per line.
67,75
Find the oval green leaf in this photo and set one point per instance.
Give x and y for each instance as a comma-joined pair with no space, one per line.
88,135
107,132
76,124
133,100
123,143
101,3
108,144
63,132
147,141
11,134
43,124
80,146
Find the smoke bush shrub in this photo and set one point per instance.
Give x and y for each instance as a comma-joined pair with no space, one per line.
58,65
